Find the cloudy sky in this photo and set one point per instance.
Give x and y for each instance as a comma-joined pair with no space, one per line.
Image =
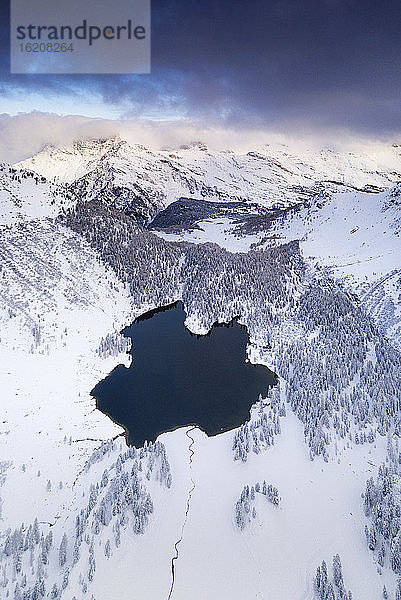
281,65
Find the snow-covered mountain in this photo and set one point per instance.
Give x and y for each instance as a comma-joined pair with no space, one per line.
142,181
317,286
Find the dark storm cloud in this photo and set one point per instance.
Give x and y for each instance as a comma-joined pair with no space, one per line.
325,62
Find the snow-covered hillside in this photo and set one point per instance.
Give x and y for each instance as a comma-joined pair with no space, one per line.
25,195
251,513
354,236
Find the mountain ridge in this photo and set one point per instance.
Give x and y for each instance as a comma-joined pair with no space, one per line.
272,176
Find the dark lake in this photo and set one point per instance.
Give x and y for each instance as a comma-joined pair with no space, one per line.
177,378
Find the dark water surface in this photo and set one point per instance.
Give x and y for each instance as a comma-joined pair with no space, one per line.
177,378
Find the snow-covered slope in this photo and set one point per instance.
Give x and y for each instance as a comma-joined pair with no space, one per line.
354,233
356,237
274,175
25,195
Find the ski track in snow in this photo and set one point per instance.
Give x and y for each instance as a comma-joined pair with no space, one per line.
379,283
178,542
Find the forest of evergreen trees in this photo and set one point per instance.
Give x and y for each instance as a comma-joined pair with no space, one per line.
383,510
245,507
214,284
331,587
258,433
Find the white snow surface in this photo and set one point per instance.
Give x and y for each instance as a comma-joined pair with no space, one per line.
218,231
320,514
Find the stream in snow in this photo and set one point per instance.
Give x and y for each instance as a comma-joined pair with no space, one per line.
178,379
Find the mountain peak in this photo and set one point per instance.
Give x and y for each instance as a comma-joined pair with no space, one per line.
82,146
196,145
